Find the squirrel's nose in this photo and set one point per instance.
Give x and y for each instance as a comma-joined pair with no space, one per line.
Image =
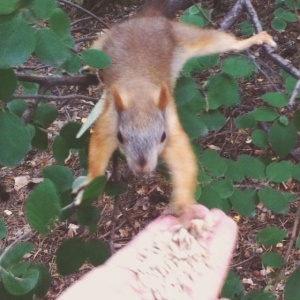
141,166
142,162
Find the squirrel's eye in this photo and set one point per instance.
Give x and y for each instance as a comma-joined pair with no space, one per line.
163,137
120,137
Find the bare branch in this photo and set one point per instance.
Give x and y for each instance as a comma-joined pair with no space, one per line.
51,81
55,98
85,11
232,16
295,93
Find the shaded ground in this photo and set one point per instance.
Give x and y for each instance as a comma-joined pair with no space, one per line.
147,197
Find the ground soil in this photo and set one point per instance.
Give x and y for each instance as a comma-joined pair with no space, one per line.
148,197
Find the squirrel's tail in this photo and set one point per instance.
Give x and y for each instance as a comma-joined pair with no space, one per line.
166,8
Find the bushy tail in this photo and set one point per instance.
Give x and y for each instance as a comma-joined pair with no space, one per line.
166,8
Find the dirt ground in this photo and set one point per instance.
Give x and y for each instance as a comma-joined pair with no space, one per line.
147,197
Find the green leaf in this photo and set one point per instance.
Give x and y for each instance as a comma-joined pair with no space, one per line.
69,133
234,171
270,236
43,9
211,199
29,88
296,119
264,114
192,125
276,99
62,177
8,83
20,285
60,149
223,187
282,138
113,188
44,281
14,254
17,43
40,139
289,16
273,200
279,12
3,230
185,90
238,66
296,171
48,45
8,6
279,171
273,260
195,20
45,114
283,120
73,64
259,138
70,256
93,190
246,28
213,119
291,290
245,121
97,252
88,215
233,288
258,295
60,23
292,4
278,24
229,87
97,59
244,202
215,164
298,242
17,106
43,207
14,139
290,84
252,167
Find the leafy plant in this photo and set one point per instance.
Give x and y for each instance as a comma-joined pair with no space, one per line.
39,30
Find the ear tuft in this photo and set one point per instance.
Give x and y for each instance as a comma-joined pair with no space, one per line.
163,97
118,100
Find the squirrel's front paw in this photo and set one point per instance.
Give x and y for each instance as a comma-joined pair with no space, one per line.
264,38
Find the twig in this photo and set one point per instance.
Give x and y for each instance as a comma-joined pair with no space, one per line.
232,16
295,93
25,236
85,11
51,81
289,249
55,98
202,13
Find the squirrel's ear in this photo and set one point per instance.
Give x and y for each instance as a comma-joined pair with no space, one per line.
163,97
118,100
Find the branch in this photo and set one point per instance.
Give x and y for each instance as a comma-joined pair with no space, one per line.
85,11
234,14
295,93
55,98
51,81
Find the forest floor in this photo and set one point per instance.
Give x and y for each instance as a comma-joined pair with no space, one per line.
147,197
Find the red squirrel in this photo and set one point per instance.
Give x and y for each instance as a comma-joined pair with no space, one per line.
140,116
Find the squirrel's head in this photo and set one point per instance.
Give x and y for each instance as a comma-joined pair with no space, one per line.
142,131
